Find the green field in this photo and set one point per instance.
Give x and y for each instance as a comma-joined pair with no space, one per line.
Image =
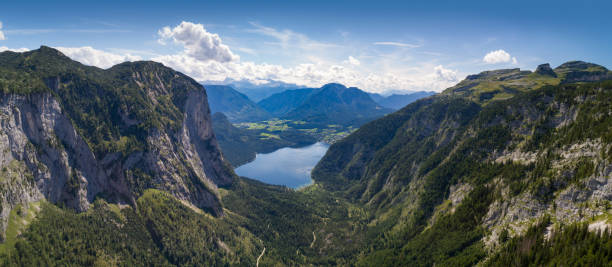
271,129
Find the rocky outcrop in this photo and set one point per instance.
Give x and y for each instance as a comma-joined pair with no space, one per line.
536,151
546,70
502,74
158,121
43,156
580,71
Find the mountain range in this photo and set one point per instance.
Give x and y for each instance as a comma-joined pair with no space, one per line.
284,102
331,104
257,92
235,105
398,101
122,167
332,97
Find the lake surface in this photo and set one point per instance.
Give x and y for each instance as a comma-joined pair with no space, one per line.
287,166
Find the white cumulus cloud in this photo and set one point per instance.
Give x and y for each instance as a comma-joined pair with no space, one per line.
4,48
445,75
310,74
498,56
215,63
353,61
197,42
1,33
94,57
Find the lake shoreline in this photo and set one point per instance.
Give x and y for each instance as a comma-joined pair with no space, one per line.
286,166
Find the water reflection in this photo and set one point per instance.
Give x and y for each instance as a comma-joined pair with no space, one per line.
286,166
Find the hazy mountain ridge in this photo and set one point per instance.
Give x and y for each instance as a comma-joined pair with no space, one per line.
235,105
282,103
337,104
258,92
331,104
398,101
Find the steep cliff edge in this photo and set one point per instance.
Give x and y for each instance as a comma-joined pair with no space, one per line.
70,133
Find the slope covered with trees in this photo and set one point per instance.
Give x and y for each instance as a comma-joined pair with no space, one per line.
441,178
508,167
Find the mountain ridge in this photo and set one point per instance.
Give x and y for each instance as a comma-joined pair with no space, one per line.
235,105
282,103
398,101
425,169
333,103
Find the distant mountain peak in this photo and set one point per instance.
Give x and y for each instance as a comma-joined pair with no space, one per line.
333,85
235,105
545,69
578,65
501,74
505,83
580,71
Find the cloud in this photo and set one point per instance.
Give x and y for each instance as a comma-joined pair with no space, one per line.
283,36
353,61
313,68
4,48
288,39
1,33
197,42
499,56
445,75
308,74
94,57
398,44
246,50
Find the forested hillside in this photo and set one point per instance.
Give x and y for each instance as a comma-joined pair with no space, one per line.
121,167
442,178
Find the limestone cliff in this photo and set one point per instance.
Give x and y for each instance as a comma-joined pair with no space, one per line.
70,133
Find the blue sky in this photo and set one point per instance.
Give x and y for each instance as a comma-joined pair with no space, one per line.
378,46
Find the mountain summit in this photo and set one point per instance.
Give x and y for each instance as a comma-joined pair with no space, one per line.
331,104
233,104
505,83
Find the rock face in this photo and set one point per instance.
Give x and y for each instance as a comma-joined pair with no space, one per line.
545,69
543,149
90,133
580,71
44,157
